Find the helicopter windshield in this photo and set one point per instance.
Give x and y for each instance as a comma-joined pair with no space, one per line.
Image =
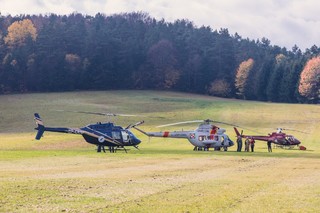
290,138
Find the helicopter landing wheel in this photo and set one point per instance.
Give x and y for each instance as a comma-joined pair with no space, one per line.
225,149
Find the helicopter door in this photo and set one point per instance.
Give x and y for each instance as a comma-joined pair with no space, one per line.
116,135
125,136
221,139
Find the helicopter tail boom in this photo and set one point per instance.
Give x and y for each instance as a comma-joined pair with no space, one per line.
166,134
41,128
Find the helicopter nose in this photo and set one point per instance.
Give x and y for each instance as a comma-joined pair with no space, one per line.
231,143
137,141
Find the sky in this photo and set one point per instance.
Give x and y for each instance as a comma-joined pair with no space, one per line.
284,22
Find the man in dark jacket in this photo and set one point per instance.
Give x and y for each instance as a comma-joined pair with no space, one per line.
239,143
269,146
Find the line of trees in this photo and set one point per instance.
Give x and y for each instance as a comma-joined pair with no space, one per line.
135,51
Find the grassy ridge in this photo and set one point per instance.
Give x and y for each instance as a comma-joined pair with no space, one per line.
63,173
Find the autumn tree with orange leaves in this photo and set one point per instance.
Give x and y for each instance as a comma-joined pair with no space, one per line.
50,53
19,31
220,88
243,71
309,86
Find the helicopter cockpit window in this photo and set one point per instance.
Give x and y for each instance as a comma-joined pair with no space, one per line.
116,135
125,136
201,137
290,138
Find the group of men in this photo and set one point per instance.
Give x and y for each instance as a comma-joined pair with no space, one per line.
249,142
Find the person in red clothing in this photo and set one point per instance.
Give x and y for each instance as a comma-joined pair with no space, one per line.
213,132
252,144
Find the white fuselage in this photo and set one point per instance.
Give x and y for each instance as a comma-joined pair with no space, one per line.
204,136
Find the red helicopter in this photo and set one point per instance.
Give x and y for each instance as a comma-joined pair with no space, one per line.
279,138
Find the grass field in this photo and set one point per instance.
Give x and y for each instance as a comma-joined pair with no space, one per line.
62,173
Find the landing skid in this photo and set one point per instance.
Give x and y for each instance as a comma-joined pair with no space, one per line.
113,149
285,146
196,148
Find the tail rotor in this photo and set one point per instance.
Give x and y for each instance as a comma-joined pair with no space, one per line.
40,126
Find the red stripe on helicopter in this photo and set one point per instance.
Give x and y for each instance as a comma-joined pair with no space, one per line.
165,134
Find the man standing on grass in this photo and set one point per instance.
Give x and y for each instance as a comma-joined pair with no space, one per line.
246,144
269,146
239,143
252,144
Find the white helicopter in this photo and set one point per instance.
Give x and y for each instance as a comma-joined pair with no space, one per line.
204,137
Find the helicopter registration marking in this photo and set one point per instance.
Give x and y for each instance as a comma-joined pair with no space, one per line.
75,131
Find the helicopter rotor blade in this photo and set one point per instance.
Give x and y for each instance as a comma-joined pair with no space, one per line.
251,130
243,128
134,125
99,113
183,122
293,130
208,121
199,121
219,122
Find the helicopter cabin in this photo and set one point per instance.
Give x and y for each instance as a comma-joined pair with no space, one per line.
116,132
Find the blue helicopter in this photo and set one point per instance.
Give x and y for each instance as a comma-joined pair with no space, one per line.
100,134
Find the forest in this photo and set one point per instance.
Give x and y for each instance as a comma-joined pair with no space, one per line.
52,53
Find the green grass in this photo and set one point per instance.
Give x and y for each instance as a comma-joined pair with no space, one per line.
62,173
